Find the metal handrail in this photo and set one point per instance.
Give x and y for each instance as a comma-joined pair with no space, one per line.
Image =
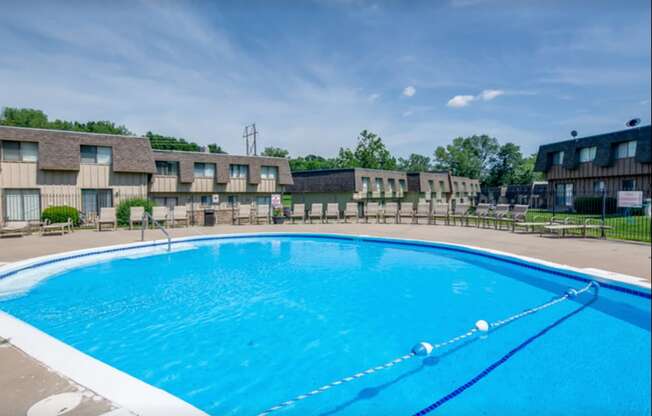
145,220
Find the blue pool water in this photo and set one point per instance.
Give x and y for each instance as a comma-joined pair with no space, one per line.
238,325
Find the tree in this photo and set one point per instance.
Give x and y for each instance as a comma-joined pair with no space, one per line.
504,165
370,152
467,156
275,152
29,117
311,162
415,163
160,142
525,173
214,148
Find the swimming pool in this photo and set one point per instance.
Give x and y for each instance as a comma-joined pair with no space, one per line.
236,325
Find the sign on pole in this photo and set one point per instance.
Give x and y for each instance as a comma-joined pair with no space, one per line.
216,199
276,201
630,199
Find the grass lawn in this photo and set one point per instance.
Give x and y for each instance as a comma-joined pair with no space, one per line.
633,228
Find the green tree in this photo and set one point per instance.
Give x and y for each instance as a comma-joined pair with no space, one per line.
28,117
415,163
311,162
467,156
504,166
370,152
214,148
525,173
275,152
162,142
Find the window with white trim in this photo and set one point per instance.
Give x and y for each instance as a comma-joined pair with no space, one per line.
558,158
167,168
268,172
626,149
587,154
95,155
239,171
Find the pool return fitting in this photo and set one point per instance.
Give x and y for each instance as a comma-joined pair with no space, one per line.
424,348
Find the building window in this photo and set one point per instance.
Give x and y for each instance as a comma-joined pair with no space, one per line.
96,155
19,151
95,199
558,158
239,171
401,184
378,185
165,201
167,168
391,185
22,204
206,200
442,188
268,172
629,184
598,187
204,170
626,149
587,154
365,185
564,195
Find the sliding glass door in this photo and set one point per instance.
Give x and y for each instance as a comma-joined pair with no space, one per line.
95,199
22,204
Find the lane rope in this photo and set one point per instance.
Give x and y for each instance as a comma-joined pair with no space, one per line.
425,348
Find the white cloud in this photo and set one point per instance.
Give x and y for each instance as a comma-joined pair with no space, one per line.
409,91
488,95
460,101
373,97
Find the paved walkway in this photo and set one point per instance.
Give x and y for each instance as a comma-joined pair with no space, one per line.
620,257
24,381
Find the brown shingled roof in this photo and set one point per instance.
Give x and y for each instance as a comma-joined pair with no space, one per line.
59,149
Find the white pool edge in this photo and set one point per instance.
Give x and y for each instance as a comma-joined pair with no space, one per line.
146,400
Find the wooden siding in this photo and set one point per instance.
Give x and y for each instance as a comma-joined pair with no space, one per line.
621,167
171,184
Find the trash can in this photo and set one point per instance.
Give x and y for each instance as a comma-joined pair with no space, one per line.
209,217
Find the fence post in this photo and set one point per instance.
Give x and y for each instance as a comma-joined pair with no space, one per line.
554,200
604,211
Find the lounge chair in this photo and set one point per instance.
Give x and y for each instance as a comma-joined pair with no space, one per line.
423,211
532,226
244,213
440,211
562,229
371,210
481,214
461,212
136,215
316,211
180,214
390,211
107,216
351,211
501,216
519,214
298,211
262,214
160,215
57,227
15,229
332,211
406,211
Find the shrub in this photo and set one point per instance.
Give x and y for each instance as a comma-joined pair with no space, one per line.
60,214
592,205
122,211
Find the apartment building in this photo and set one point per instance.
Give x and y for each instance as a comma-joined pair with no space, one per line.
348,185
183,178
609,162
39,168
441,188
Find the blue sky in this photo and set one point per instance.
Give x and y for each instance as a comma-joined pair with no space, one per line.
312,74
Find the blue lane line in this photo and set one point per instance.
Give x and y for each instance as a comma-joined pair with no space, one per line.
498,363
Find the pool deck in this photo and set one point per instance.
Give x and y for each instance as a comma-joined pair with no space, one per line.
24,381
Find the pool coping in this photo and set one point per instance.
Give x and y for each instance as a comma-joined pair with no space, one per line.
144,399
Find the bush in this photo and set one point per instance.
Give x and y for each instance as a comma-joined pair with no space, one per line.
122,211
592,205
60,214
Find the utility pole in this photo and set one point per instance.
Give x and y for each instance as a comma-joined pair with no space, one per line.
249,135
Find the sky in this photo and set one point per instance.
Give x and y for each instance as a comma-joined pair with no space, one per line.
313,74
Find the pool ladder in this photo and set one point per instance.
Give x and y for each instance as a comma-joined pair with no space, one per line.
145,220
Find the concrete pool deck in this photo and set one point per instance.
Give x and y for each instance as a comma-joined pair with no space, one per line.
24,381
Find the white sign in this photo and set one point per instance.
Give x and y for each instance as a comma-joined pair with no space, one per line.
630,199
276,201
216,199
